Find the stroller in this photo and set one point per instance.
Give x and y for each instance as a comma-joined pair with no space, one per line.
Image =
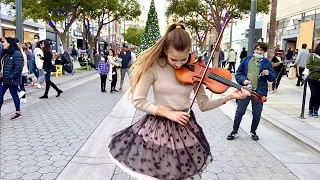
66,62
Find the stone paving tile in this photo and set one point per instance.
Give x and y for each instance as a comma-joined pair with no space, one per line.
241,159
40,145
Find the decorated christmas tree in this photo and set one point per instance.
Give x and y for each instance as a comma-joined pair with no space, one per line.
151,32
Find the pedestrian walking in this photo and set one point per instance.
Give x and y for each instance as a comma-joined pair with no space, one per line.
103,69
167,143
48,67
279,67
254,71
25,72
114,73
243,54
232,60
38,54
313,63
10,74
301,63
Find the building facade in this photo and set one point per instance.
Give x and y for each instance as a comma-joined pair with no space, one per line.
30,28
239,31
298,22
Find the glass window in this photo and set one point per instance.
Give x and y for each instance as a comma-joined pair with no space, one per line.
318,14
280,24
309,16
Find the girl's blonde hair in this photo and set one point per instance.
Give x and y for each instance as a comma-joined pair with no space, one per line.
176,37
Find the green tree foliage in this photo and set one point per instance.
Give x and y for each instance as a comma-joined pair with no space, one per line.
151,32
133,36
105,12
212,11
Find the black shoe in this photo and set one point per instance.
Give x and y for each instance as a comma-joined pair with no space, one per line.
297,84
16,116
232,135
59,92
44,97
254,136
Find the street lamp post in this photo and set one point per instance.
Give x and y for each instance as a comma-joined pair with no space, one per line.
19,28
231,25
252,26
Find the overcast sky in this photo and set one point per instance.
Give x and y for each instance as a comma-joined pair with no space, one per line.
160,8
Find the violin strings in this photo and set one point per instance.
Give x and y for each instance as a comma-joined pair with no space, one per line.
224,80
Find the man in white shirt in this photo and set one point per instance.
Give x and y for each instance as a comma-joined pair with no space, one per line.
301,63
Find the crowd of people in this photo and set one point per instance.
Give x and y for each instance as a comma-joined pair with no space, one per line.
18,61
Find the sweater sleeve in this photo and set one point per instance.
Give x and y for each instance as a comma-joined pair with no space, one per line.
140,94
311,64
204,103
111,61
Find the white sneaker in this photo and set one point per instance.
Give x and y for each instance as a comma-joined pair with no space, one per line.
39,86
23,100
21,94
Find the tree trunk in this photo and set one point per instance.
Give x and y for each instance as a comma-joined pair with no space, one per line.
272,30
218,44
64,42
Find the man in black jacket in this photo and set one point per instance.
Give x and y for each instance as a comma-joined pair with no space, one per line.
127,57
243,54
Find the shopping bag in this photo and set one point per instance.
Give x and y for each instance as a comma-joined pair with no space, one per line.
292,73
76,64
227,66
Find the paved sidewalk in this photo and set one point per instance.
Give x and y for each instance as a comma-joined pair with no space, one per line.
239,159
40,145
57,80
283,109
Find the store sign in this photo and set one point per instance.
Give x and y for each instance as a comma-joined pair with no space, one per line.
77,33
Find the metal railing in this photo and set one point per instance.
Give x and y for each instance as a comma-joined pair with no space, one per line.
305,83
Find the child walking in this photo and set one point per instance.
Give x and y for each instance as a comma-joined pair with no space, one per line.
167,143
103,69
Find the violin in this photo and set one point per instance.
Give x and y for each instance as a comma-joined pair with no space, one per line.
217,80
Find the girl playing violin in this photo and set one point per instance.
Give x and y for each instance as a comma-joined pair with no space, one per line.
167,143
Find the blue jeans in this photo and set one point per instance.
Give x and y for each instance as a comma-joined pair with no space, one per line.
47,76
14,93
241,110
34,69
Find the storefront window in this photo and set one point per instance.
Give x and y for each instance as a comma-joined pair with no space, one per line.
291,25
309,16
316,39
280,24
318,14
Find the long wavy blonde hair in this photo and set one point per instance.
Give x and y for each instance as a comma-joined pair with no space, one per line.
176,37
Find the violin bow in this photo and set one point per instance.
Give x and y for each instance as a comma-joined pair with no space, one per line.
210,60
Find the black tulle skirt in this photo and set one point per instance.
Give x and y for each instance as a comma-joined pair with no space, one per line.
163,149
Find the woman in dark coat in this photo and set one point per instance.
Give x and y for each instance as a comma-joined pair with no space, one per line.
279,68
48,67
10,73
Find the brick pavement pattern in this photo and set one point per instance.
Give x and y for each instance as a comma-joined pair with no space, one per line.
40,145
240,159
